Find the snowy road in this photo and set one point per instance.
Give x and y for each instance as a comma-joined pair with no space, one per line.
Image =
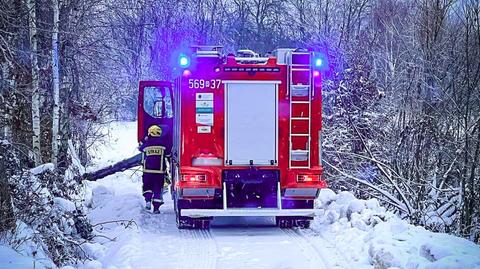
351,233
153,241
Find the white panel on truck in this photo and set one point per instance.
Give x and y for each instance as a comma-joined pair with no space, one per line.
251,123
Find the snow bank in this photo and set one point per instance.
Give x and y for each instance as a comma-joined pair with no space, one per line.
9,258
326,196
415,247
92,265
94,250
101,195
362,228
25,253
63,204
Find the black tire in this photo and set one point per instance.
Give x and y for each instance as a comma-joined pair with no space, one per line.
288,223
202,224
184,223
303,223
284,223
181,223
189,223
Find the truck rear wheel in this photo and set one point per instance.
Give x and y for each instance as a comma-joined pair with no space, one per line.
288,222
303,223
186,222
190,223
283,222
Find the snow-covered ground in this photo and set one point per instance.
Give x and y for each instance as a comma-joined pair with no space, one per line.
153,241
351,233
9,258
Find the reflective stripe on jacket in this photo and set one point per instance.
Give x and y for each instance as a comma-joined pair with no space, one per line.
154,159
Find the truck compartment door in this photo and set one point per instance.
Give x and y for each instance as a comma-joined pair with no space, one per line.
251,131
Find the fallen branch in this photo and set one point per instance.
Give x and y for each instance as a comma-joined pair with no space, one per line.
129,223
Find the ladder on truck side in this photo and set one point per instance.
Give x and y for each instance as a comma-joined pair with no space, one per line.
300,98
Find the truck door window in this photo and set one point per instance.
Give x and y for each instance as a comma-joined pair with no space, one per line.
157,102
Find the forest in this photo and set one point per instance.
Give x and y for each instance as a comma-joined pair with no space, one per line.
401,96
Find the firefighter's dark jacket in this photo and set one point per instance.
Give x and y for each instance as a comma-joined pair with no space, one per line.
154,154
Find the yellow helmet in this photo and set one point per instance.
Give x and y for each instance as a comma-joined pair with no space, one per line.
155,131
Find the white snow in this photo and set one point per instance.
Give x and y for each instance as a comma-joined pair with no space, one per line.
356,206
101,195
372,204
344,198
25,254
42,168
64,204
9,258
349,233
414,247
96,251
368,235
326,196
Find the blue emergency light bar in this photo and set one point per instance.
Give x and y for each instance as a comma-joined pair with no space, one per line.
183,61
320,61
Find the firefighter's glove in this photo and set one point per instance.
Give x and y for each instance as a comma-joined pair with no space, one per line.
167,180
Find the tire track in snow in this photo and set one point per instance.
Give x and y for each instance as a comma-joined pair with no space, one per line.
318,239
199,249
313,254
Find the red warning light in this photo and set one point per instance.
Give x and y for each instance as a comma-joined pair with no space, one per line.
186,73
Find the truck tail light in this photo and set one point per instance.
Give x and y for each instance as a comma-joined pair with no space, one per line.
308,178
194,178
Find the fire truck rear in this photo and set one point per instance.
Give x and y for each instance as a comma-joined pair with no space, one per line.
246,136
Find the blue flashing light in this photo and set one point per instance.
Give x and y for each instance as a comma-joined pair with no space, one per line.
320,61
183,61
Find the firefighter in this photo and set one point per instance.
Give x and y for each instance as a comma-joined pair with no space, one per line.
154,168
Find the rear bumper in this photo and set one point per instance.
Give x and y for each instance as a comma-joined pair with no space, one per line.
248,212
278,211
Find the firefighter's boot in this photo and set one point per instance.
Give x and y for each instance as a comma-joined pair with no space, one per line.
156,205
147,194
148,205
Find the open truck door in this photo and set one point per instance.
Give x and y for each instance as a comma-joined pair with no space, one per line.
155,107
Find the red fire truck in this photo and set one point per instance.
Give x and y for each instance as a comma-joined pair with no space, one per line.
245,134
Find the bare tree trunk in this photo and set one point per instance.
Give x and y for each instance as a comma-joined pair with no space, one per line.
35,83
56,84
7,217
7,127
